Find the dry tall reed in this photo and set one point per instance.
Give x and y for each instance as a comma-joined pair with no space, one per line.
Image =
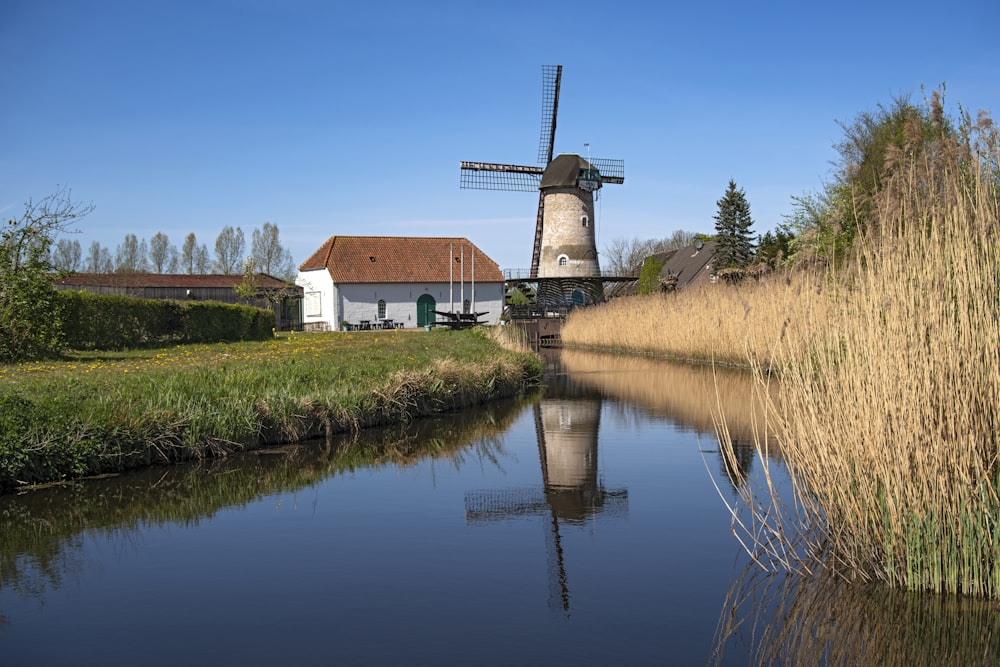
889,417
712,322
891,423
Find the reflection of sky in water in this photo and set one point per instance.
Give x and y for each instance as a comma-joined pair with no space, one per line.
380,564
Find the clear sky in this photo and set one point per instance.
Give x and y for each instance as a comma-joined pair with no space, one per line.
326,118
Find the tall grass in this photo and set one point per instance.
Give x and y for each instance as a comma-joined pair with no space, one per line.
711,322
892,421
888,416
110,411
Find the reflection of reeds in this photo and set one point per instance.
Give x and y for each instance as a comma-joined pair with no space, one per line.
826,621
689,394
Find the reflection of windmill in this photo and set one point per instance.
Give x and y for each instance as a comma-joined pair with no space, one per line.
565,251
567,432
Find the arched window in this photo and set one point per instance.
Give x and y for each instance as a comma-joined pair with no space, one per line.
563,260
381,309
584,220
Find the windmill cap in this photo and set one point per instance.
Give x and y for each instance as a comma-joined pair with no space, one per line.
564,171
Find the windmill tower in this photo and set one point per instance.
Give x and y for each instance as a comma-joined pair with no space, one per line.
564,258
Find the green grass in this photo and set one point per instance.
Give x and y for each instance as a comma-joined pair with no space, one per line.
97,412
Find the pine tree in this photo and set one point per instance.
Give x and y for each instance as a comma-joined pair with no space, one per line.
735,247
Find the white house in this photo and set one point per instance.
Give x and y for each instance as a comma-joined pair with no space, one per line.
399,279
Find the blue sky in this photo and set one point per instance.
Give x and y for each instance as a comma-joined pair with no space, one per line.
351,118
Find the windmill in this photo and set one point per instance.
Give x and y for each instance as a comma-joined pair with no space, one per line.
564,255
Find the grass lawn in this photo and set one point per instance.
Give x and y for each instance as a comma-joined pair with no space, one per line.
94,412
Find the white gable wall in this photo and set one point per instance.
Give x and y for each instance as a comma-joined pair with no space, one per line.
326,304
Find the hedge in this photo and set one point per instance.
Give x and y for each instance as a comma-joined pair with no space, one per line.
112,322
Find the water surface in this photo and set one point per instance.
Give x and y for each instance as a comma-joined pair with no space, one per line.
585,525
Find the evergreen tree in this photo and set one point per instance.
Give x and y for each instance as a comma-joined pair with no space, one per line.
735,247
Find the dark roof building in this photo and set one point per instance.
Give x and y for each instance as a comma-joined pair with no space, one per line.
284,298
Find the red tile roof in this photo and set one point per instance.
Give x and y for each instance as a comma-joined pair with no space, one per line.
142,280
396,259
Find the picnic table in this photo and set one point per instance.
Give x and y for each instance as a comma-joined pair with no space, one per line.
460,320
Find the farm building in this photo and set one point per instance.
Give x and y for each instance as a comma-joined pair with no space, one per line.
284,298
385,281
685,267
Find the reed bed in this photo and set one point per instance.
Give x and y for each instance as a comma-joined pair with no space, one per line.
710,323
891,425
888,417
99,412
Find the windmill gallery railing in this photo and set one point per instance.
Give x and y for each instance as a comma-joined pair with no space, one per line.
525,275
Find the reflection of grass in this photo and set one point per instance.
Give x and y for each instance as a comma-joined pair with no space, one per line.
99,412
826,621
42,530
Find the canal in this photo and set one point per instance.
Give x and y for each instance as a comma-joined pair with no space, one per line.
584,525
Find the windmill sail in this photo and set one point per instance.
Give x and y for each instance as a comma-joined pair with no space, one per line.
551,78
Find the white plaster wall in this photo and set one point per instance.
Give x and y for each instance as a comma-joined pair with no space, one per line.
356,302
313,282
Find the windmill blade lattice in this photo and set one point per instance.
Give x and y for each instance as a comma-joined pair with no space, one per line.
551,78
492,176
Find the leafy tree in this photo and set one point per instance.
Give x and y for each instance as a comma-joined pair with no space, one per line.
194,256
30,321
247,289
130,257
66,255
649,277
269,256
162,255
251,290
735,247
229,249
875,146
773,247
98,259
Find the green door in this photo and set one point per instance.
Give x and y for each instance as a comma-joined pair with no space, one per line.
425,310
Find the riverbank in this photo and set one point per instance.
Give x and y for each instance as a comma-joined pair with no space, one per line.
104,412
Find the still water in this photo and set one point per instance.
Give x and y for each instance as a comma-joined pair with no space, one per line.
586,525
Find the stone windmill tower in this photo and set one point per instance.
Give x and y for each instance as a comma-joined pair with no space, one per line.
564,260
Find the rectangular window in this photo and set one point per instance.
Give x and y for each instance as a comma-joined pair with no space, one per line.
314,304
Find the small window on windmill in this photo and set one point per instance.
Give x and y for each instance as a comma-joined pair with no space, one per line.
563,260
584,220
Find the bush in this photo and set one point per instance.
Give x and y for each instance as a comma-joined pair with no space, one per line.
113,322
